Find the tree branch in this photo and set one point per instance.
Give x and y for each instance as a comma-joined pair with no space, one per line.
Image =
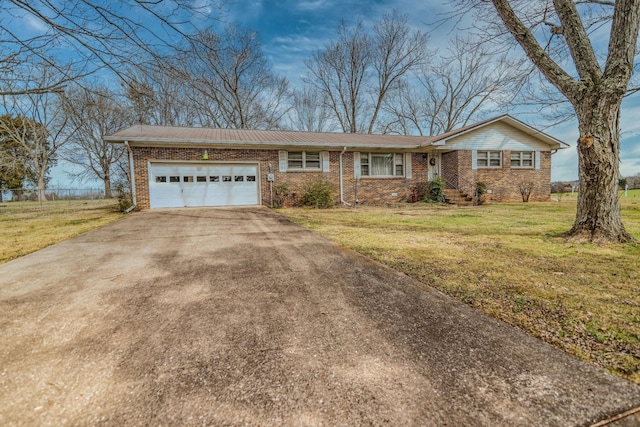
578,41
556,75
622,44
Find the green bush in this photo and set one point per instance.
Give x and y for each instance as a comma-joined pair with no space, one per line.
317,192
435,191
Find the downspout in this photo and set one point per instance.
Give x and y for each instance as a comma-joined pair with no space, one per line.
133,178
344,202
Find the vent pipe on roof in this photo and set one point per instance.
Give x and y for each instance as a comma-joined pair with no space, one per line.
341,187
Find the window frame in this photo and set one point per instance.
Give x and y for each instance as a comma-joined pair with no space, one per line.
488,159
398,163
305,162
520,160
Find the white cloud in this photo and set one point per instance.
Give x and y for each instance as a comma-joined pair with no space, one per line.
310,6
35,24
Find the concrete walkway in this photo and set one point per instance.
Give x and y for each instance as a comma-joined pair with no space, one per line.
239,317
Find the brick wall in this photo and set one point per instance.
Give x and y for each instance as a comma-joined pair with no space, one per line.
366,190
372,191
377,191
504,182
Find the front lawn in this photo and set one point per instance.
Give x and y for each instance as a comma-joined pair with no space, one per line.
26,227
510,261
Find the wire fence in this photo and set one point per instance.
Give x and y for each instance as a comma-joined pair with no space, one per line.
50,198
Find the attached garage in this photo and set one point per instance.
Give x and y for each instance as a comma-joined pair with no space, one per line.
191,184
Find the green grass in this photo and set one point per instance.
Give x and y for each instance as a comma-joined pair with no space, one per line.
511,262
26,227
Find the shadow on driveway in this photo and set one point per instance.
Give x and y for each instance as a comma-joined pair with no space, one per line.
237,316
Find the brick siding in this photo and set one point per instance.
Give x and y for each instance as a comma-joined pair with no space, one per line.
504,182
365,191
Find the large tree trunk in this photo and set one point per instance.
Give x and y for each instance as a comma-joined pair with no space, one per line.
41,190
107,186
598,212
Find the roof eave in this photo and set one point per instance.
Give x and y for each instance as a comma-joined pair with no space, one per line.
172,142
553,143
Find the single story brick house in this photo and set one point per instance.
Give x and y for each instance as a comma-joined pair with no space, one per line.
181,167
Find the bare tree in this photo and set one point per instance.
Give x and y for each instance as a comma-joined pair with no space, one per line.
339,72
93,114
396,52
309,111
467,82
559,37
40,126
230,82
101,34
158,95
357,72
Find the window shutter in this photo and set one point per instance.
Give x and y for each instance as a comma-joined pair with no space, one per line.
474,159
282,161
407,165
537,160
325,161
356,165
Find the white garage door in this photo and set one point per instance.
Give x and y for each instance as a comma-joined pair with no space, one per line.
177,185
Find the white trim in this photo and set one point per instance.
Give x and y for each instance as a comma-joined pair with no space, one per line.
521,160
407,165
356,165
325,161
304,161
395,155
474,159
489,166
537,159
282,161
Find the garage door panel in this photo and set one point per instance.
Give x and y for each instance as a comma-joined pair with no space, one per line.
185,185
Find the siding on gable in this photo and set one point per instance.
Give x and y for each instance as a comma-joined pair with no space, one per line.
497,136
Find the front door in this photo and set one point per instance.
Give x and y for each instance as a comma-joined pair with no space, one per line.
434,166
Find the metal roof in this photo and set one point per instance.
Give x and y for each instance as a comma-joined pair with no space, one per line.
177,136
240,138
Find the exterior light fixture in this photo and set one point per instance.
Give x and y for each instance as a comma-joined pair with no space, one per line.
205,155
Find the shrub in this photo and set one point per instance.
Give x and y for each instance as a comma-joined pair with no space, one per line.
317,192
435,191
124,197
280,193
525,190
481,189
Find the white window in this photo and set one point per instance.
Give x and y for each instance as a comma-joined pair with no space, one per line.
522,159
489,159
381,164
303,160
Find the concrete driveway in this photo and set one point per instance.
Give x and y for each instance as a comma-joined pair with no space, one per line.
239,317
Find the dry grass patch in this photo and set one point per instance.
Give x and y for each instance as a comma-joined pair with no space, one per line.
510,261
26,228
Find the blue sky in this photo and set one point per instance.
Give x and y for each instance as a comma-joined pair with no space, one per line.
291,30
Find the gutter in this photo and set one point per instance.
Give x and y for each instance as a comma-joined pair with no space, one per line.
205,143
341,186
132,179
